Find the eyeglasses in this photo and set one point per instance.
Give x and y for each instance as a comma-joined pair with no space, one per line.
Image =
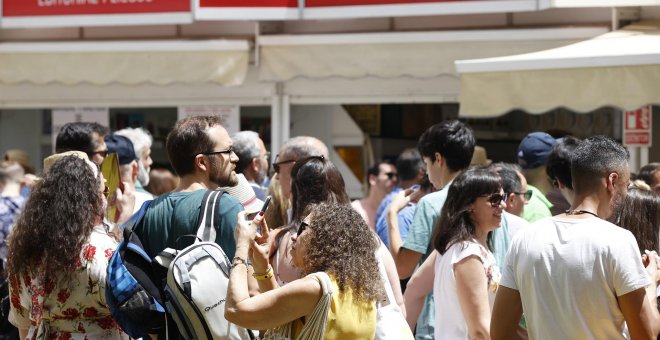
527,194
229,150
391,175
276,164
303,226
102,153
495,199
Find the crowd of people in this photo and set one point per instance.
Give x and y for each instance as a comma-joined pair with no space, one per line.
561,244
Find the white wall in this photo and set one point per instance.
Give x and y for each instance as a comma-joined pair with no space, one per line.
332,125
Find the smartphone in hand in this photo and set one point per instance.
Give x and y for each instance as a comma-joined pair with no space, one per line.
260,216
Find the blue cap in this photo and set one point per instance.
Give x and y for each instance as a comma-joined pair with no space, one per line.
122,146
534,149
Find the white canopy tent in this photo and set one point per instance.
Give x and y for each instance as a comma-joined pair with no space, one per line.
620,68
420,55
125,62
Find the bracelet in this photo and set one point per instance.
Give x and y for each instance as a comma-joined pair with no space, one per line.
265,276
238,260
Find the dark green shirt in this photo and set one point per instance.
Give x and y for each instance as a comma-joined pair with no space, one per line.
175,214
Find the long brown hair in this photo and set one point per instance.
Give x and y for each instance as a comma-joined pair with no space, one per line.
640,213
313,180
58,218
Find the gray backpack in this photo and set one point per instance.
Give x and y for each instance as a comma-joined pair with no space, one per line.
197,281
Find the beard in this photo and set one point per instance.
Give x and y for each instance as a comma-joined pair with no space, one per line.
219,177
262,176
143,174
616,207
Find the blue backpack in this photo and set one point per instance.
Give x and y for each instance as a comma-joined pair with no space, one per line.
134,285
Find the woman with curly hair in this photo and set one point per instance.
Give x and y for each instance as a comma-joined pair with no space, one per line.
58,255
333,239
466,275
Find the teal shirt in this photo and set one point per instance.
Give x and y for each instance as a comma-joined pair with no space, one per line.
176,214
538,206
419,240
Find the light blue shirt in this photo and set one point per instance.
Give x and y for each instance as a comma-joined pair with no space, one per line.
418,240
404,217
384,204
500,241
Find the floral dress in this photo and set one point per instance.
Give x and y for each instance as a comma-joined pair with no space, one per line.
75,310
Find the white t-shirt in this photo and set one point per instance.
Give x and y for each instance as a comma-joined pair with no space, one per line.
569,273
449,320
515,223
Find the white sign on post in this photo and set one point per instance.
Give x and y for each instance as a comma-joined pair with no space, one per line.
230,115
62,116
637,127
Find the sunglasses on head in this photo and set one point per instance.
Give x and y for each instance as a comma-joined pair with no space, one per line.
495,199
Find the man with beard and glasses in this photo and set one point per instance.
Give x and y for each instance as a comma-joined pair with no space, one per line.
142,142
202,155
575,275
253,160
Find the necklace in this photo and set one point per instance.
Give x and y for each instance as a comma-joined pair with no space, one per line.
579,212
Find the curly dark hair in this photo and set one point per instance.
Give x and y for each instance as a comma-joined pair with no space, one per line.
455,223
342,245
58,218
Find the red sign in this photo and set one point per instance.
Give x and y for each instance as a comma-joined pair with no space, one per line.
329,3
15,8
248,3
637,138
338,9
637,127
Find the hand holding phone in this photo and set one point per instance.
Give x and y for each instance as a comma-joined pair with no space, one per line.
256,221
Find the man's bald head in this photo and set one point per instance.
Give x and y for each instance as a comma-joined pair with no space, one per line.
303,146
295,149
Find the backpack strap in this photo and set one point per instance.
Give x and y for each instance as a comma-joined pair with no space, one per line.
129,225
207,211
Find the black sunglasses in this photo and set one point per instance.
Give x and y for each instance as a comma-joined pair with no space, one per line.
303,226
229,150
527,194
495,199
276,164
102,153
